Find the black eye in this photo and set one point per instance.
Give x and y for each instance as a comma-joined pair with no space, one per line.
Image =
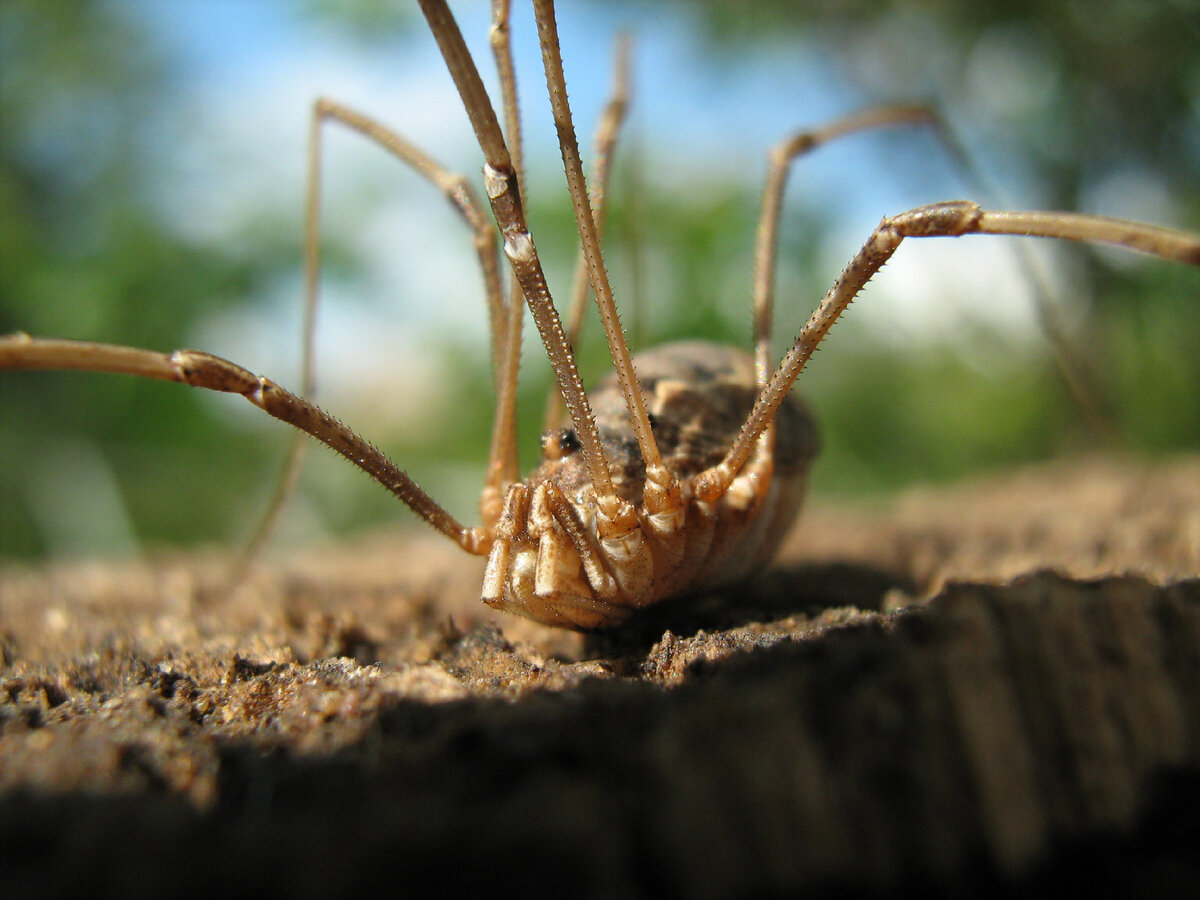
568,441
557,444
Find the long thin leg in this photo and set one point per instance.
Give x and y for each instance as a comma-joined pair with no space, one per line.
504,194
457,190
661,495
937,220
203,370
289,473
502,469
779,165
1079,377
586,223
780,159
607,131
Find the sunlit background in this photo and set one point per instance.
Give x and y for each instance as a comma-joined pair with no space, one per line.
152,160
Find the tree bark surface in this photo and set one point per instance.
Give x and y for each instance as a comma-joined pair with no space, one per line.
992,687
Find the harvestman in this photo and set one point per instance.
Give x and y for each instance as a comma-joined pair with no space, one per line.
681,470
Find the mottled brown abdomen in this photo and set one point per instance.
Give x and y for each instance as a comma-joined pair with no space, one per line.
698,396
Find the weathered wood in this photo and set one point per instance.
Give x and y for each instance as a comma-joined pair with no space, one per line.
1001,735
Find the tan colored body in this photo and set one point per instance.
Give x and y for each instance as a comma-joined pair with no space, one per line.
698,396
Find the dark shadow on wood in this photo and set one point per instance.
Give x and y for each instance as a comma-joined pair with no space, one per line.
783,592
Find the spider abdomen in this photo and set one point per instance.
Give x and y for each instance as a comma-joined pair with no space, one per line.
698,396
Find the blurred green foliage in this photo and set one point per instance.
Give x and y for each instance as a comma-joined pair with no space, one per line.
85,103
86,128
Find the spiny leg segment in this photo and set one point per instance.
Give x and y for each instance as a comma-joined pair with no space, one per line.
607,132
504,195
572,163
759,467
617,522
951,219
780,159
458,191
784,154
662,497
203,370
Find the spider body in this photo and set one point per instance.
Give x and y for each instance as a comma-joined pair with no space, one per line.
697,396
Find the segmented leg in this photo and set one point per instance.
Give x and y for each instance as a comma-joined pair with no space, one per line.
780,159
607,132
951,219
747,488
503,471
504,194
203,370
615,517
586,223
661,496
503,455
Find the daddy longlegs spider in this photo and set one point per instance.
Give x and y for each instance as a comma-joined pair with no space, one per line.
684,469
